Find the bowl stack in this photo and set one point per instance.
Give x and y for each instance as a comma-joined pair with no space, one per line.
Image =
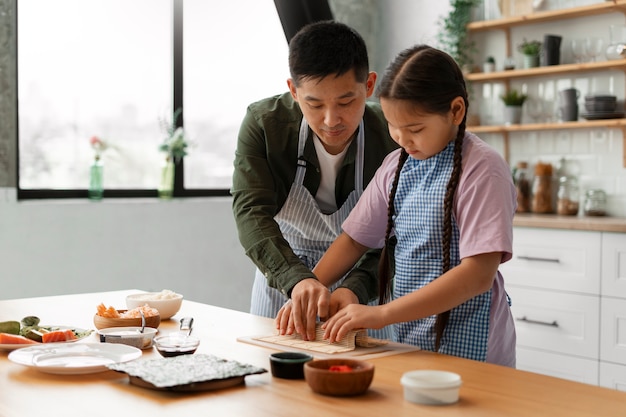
601,107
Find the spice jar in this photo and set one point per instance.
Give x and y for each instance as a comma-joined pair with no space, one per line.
542,189
567,196
522,185
595,203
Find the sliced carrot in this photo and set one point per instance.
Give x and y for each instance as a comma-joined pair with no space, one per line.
11,339
58,336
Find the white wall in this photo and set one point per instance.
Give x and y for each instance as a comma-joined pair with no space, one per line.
186,245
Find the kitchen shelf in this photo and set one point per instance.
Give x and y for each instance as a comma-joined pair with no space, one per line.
505,24
504,130
530,127
486,77
549,16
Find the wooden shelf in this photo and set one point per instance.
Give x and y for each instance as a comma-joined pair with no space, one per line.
530,127
505,130
485,77
505,24
549,16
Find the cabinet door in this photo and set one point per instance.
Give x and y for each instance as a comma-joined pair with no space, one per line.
560,366
563,260
614,264
613,376
613,330
556,322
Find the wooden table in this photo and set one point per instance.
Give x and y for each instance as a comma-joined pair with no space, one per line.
487,390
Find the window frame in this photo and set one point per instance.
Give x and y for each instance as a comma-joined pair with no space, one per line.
177,102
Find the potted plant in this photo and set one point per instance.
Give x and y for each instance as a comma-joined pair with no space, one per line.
531,51
453,37
489,65
513,102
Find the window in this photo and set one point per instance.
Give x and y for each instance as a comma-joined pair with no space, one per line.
235,52
114,69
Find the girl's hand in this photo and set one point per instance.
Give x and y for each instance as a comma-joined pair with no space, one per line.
351,317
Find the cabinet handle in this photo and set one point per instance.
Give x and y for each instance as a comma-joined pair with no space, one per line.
534,258
543,323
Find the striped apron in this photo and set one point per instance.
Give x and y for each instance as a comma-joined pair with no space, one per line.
308,231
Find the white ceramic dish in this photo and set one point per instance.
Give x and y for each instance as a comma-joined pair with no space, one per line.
167,306
131,336
7,347
73,358
431,387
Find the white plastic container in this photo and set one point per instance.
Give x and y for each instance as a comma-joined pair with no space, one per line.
431,387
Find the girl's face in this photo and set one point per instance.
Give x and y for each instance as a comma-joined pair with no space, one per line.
422,135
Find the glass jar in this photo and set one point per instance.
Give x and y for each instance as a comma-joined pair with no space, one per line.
595,203
542,189
567,196
522,185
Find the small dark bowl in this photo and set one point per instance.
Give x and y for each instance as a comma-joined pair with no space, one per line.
289,365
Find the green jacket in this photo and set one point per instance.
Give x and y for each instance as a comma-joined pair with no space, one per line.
264,170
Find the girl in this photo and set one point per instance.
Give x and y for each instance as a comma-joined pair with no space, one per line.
442,208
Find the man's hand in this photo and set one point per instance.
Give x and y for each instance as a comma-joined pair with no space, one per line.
340,298
309,299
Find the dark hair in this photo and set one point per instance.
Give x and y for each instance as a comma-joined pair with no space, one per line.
327,47
429,79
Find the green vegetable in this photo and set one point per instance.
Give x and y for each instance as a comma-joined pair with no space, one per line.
32,334
11,327
30,321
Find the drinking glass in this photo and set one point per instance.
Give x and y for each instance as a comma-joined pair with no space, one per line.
594,47
579,50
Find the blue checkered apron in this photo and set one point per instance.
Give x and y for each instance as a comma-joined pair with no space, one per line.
308,231
418,227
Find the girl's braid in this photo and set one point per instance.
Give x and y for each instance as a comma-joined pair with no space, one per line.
384,270
453,182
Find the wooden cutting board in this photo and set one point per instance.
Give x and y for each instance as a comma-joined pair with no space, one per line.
316,348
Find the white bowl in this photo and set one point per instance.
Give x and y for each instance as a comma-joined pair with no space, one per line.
166,302
128,336
431,387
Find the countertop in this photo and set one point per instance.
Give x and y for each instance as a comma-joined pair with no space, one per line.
552,221
487,390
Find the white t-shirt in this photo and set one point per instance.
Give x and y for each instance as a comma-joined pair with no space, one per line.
329,167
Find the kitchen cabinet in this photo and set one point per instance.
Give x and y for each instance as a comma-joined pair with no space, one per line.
613,312
568,294
505,25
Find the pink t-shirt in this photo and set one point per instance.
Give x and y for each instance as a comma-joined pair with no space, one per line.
484,207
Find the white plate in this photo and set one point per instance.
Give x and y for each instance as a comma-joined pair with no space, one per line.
74,358
12,346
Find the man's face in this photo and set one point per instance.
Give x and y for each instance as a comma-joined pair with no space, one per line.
333,106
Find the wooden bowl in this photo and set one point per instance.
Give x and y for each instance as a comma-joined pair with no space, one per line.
106,322
323,380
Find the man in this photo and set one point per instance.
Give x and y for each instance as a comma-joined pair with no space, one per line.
303,159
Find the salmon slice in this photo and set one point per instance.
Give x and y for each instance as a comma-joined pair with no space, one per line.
58,336
12,339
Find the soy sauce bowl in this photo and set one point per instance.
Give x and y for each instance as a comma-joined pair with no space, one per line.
289,365
176,344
